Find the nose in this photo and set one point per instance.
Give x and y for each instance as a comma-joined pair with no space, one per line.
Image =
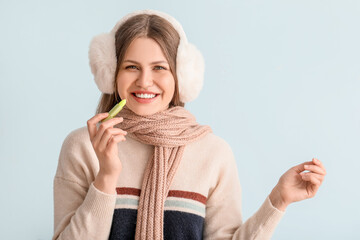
144,79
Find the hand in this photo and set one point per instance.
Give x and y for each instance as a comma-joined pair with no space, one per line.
104,141
296,185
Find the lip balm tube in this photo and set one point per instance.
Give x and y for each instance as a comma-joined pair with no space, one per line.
115,110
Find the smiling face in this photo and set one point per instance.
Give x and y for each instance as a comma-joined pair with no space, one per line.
144,78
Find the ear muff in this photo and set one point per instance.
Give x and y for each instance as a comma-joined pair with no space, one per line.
189,61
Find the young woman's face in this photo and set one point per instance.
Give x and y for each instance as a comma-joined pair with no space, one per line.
144,78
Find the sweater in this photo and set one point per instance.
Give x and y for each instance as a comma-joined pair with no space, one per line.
204,201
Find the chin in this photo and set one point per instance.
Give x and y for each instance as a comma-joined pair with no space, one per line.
145,111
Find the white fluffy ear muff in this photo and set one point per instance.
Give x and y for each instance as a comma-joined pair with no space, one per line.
189,61
102,58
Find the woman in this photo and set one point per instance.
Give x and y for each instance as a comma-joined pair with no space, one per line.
153,172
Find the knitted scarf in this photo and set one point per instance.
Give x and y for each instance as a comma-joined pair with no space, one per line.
168,131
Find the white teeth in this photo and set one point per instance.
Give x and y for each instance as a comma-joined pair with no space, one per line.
145,95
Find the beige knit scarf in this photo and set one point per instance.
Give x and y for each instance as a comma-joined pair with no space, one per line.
169,131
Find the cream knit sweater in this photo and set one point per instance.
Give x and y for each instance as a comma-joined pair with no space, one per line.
204,201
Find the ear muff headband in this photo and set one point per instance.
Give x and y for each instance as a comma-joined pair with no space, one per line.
189,61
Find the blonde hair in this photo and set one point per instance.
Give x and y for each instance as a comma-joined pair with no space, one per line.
150,26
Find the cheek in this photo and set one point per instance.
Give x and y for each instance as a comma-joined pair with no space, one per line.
167,83
123,83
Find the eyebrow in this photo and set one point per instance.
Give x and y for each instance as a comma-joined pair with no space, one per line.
156,62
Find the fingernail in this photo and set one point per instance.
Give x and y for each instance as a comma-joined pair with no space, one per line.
306,166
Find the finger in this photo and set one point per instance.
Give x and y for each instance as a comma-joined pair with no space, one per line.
114,141
319,163
318,176
300,168
108,134
315,169
91,123
314,178
109,124
103,126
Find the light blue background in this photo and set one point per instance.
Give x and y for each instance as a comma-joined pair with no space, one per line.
282,86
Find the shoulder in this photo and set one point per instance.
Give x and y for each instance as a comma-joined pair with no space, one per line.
77,157
77,144
213,161
213,143
212,149
76,140
77,136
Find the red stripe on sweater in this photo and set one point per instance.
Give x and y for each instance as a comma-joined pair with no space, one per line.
172,193
128,191
189,195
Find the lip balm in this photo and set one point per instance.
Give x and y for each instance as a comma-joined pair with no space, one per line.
115,110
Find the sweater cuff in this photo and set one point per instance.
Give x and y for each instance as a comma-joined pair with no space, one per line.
100,204
272,206
271,216
271,212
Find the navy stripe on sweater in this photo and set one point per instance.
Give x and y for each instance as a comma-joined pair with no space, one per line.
177,225
184,214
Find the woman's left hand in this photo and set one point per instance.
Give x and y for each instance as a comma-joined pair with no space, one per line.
296,184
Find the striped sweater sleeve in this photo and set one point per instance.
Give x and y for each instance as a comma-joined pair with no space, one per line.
223,218
80,210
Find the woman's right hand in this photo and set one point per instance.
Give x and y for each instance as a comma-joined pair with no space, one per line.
104,141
